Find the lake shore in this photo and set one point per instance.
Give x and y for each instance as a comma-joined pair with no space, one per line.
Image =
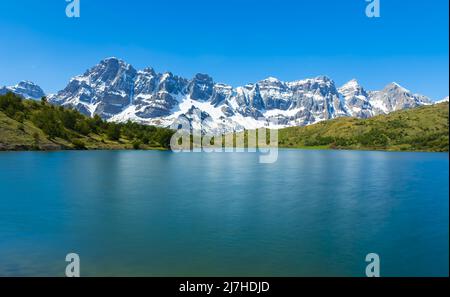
56,148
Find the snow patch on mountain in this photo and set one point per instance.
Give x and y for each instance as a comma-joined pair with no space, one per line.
442,100
25,89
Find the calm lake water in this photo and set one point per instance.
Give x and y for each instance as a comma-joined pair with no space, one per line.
312,213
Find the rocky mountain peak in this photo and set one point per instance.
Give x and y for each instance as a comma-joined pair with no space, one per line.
395,87
352,88
25,89
351,84
201,87
148,70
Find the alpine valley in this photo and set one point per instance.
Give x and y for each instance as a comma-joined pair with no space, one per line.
118,92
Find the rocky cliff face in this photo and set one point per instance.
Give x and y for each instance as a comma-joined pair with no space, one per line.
356,100
116,91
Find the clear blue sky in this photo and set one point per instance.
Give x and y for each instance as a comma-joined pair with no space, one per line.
235,41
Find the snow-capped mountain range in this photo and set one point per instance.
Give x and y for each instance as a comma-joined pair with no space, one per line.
118,92
25,89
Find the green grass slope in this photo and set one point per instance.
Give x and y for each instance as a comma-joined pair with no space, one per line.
419,129
32,125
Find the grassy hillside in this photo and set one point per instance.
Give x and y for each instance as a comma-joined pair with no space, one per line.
31,125
420,129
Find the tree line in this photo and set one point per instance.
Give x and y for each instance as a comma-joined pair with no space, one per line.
69,124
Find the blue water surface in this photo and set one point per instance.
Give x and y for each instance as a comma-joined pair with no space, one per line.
311,213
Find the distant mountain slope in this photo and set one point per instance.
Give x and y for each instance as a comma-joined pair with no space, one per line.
117,92
419,129
25,89
443,100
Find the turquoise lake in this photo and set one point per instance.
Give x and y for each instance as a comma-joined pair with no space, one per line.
136,213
